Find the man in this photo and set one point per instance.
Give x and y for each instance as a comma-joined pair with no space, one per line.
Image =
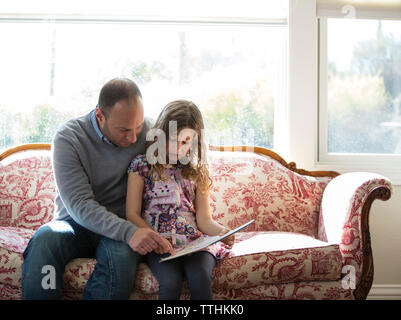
90,157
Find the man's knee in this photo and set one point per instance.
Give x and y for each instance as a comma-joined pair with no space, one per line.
116,250
119,257
41,241
54,241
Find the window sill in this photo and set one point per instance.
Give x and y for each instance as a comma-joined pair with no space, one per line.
390,171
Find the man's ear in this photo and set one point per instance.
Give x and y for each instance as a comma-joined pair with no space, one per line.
100,116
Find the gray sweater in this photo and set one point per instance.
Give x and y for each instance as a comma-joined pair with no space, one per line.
91,177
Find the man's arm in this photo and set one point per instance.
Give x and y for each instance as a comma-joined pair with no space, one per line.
77,195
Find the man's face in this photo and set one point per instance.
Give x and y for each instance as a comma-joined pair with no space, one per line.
124,123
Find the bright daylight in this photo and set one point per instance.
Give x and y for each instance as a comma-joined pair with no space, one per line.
200,159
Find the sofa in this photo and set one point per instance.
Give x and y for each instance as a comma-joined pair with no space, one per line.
310,238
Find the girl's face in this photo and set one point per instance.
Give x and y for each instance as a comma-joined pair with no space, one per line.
178,146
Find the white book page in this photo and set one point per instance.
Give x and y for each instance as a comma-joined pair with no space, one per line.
204,242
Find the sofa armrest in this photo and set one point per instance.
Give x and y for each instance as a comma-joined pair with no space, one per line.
344,219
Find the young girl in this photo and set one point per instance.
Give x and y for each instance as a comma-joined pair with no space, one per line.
176,203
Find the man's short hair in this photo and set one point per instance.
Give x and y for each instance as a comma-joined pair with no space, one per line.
116,90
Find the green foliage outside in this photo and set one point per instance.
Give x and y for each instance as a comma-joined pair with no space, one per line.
362,100
359,102
38,126
241,119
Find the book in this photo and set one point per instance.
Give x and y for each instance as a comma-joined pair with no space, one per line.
204,242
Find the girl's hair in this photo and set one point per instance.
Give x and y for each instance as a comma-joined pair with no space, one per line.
187,115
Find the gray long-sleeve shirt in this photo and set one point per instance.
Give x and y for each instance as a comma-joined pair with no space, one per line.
91,177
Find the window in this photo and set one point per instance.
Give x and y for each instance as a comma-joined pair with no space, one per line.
55,62
363,101
360,85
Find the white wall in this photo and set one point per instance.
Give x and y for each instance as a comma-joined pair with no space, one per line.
385,230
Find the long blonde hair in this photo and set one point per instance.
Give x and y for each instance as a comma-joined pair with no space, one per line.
187,115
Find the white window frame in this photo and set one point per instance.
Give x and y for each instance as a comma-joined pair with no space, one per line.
386,164
308,101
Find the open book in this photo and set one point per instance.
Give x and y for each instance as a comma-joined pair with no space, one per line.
204,242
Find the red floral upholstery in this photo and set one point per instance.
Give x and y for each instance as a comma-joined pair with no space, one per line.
306,228
340,219
250,186
27,190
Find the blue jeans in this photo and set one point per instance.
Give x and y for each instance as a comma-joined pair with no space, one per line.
56,243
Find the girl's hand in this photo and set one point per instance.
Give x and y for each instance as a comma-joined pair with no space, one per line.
229,241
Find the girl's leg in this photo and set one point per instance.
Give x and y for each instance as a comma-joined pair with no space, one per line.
198,269
169,274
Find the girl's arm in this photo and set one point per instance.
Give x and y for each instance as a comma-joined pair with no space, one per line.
204,219
135,186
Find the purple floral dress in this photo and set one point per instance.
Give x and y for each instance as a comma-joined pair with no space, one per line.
168,206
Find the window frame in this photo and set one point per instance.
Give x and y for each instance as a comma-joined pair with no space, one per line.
305,103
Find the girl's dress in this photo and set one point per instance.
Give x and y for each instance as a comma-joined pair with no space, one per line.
168,206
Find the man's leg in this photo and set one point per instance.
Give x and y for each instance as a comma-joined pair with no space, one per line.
114,273
49,250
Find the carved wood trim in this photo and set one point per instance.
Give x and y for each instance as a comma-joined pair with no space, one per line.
25,147
267,152
258,150
365,283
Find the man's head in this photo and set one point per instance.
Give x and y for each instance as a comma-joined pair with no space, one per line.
120,111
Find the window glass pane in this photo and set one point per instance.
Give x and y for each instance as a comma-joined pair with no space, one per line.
364,86
51,72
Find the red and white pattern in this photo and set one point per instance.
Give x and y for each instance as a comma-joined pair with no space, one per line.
248,186
27,190
341,212
313,290
305,228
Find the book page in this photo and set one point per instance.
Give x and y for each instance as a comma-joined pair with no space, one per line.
204,242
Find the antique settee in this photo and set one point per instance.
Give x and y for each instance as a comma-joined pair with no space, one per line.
310,238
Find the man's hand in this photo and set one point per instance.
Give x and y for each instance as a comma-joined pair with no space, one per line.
145,240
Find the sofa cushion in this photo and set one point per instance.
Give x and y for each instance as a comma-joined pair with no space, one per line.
250,186
12,244
15,239
76,274
27,189
278,257
10,270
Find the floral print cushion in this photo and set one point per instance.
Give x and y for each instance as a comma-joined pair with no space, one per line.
249,186
27,190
